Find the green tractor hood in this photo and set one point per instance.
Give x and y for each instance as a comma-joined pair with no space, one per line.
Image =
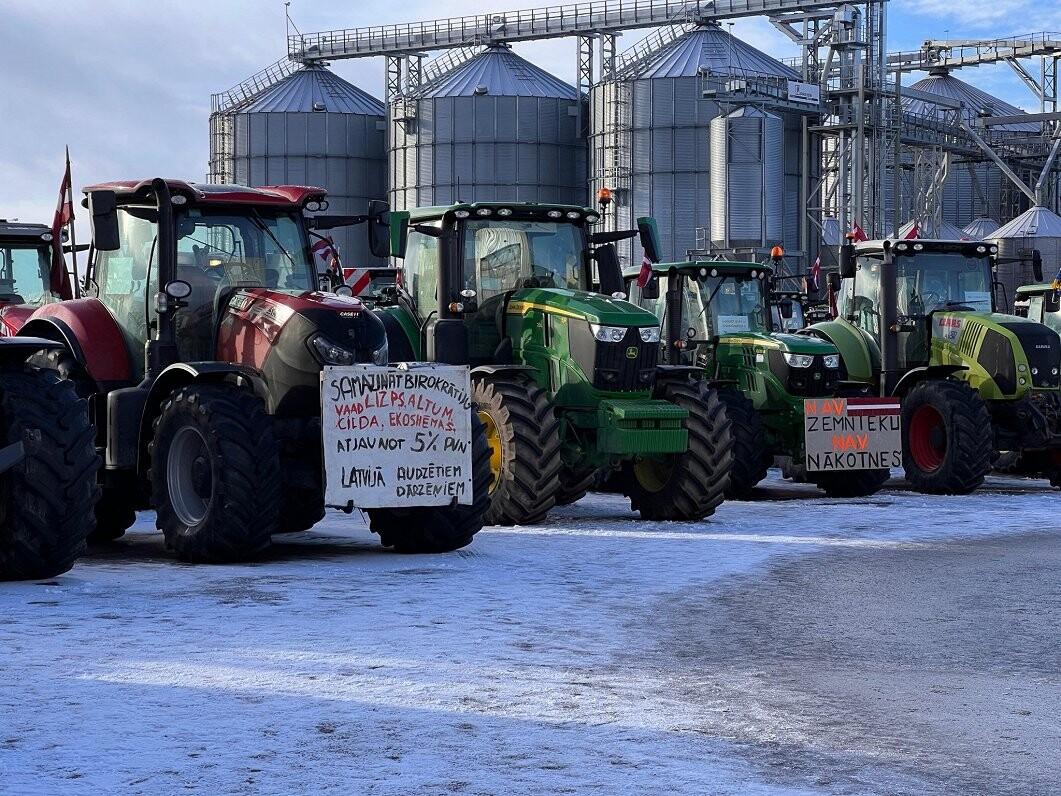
788,343
593,307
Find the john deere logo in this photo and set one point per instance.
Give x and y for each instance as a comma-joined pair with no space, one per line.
631,352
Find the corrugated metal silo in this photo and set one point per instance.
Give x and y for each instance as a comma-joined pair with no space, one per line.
981,228
650,139
747,155
495,128
314,128
1036,228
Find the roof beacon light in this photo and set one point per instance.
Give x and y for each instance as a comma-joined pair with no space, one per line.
777,253
604,196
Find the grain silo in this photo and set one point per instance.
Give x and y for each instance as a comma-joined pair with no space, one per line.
650,139
314,128
974,187
493,128
932,230
1036,229
981,228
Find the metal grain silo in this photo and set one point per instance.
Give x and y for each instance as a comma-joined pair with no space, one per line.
981,228
314,128
1037,228
973,188
747,156
650,140
494,128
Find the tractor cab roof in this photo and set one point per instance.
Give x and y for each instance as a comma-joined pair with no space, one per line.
724,267
927,245
1035,290
19,232
523,211
291,196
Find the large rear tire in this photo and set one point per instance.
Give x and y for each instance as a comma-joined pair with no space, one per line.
751,454
47,499
850,483
523,435
691,485
575,482
947,441
440,529
215,474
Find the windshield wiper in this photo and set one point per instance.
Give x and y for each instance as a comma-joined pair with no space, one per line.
260,224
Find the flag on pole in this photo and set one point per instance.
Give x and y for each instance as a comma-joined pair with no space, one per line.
327,253
914,233
858,233
816,272
645,273
59,279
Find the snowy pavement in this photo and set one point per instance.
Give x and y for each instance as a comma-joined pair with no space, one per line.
790,645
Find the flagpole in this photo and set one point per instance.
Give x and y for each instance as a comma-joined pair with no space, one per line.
73,234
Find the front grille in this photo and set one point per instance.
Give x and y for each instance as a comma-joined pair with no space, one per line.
817,381
1042,346
626,366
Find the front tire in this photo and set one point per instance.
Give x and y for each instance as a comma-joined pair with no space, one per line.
215,474
47,499
947,441
439,529
850,483
690,485
524,439
751,454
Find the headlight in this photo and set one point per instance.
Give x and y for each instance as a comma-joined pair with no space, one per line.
330,353
832,361
610,334
799,360
382,355
649,334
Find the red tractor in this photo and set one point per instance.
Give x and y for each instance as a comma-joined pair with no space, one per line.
29,276
200,345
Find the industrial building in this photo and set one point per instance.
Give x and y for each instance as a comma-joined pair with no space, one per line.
731,149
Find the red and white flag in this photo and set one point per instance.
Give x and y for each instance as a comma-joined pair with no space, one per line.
816,272
645,273
858,233
914,233
327,253
59,279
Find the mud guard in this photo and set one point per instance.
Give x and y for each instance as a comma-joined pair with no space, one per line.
912,377
90,334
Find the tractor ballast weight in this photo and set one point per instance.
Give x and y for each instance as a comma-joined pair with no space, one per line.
716,321
565,370
917,319
201,344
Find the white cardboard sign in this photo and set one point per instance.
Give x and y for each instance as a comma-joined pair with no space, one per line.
852,433
396,436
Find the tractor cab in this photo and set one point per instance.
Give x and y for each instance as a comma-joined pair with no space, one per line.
1040,303
26,256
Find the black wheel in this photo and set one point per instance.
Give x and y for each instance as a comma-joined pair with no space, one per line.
1055,479
215,474
575,482
1009,463
751,454
46,499
947,441
440,529
523,435
690,485
114,516
300,509
851,483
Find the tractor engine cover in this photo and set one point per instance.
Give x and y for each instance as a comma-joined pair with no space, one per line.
274,332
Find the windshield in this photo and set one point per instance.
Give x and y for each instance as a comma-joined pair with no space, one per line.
256,248
726,304
502,255
24,274
942,280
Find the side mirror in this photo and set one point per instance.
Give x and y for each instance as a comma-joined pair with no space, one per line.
833,281
847,260
1037,265
379,229
651,290
103,209
786,308
649,233
608,269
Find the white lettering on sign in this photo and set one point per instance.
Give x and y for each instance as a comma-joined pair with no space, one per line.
852,433
804,92
396,436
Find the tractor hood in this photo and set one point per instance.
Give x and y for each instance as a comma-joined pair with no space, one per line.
593,307
788,343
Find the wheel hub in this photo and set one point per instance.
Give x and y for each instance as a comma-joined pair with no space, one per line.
189,476
927,438
493,441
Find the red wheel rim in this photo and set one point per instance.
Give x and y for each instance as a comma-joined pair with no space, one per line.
927,438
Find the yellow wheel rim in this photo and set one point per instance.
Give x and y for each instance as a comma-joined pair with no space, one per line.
652,474
493,440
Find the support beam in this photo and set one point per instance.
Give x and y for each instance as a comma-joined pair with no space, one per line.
1005,169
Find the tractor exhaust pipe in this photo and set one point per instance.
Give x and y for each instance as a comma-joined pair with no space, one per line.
889,303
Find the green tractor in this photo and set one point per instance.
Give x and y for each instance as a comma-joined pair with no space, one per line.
1040,303
565,372
717,317
917,320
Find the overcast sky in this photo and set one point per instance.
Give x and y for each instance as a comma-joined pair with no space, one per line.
127,83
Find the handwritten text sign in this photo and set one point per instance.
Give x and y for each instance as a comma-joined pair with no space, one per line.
396,437
852,433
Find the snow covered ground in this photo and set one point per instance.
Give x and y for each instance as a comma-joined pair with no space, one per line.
593,654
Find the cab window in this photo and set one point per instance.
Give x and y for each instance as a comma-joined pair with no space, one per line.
25,275
420,271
